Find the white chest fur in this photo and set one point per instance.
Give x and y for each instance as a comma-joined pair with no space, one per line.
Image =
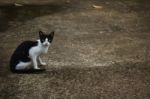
38,50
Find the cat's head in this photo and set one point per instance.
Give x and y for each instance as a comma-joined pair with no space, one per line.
46,39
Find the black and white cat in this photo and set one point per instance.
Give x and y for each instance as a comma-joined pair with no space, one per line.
26,57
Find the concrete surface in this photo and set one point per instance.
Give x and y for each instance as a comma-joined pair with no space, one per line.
98,52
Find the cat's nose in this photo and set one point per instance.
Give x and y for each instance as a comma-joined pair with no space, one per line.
46,44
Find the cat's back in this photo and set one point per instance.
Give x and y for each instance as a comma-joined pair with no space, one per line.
26,45
21,53
23,48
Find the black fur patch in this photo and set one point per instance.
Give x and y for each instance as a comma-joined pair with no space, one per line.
21,53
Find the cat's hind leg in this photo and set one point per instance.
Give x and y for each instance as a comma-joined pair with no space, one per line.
23,65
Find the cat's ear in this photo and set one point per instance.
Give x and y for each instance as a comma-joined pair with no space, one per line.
40,33
52,33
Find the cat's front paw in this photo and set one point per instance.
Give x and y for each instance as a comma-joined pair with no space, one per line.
37,68
43,64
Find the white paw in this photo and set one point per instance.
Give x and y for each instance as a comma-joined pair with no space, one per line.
37,68
43,64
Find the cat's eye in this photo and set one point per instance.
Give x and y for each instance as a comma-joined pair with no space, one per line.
42,40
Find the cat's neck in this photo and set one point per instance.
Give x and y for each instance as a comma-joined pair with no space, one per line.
44,49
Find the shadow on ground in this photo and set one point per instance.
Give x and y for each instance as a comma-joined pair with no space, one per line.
126,80
16,15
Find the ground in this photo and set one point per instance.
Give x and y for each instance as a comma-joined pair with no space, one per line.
101,49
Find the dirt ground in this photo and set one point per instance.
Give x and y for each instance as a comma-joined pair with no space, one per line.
101,48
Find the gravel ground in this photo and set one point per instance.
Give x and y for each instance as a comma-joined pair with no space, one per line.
100,49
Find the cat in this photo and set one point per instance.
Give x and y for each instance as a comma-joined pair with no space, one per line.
26,57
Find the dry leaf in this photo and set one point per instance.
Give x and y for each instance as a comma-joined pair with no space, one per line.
97,7
67,1
17,4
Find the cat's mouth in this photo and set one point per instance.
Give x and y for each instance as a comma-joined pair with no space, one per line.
46,44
